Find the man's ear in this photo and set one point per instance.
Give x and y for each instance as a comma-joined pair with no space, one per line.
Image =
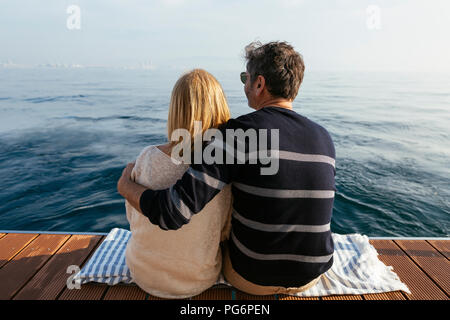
260,84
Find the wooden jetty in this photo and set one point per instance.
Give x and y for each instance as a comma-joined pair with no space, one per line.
33,266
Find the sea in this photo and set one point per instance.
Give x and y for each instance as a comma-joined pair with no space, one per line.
67,133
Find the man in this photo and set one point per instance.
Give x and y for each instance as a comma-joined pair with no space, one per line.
280,240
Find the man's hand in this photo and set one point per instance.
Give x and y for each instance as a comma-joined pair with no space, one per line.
125,179
129,189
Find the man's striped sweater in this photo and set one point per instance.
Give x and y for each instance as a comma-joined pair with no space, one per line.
280,232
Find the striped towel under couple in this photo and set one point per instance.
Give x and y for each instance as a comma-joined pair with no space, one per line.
356,268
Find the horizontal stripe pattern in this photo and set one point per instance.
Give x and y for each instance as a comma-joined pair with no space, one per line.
272,153
179,204
284,193
293,156
202,176
280,227
292,257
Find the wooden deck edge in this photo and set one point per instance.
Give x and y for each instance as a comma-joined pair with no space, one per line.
233,294
106,233
407,238
56,232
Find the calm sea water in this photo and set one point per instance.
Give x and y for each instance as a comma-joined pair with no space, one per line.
66,134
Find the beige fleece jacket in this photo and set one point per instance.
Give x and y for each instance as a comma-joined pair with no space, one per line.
175,263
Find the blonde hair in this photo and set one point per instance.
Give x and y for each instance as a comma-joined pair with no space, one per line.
196,96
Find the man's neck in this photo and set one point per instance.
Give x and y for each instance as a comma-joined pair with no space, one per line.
277,102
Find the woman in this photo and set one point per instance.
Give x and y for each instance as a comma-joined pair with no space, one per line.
180,263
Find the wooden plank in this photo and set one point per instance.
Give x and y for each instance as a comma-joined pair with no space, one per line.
51,280
394,295
151,297
245,296
87,291
435,265
125,292
420,285
12,243
25,264
343,297
443,246
289,297
214,294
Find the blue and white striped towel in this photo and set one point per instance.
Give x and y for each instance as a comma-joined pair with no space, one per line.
107,264
356,268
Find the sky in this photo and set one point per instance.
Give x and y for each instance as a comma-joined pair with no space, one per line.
357,35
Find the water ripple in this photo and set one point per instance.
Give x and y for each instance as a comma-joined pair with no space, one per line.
66,140
114,117
77,98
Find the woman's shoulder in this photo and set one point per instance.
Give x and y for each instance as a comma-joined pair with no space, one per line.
145,152
156,155
155,168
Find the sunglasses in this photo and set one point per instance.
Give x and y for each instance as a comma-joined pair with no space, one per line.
244,77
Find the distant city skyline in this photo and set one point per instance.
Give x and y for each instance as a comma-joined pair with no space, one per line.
355,35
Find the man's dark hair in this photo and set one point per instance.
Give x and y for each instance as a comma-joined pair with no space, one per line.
280,65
